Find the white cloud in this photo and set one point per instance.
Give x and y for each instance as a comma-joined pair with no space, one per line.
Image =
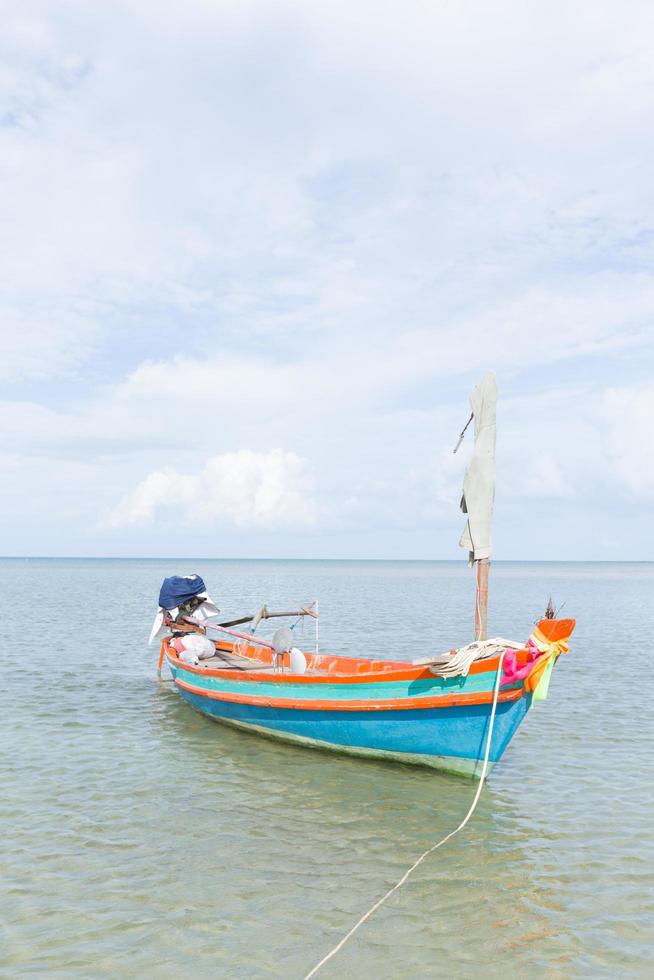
244,488
628,415
42,344
312,226
544,477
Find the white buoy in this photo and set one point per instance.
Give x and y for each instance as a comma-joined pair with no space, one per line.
298,662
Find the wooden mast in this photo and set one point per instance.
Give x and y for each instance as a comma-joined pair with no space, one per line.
479,492
481,604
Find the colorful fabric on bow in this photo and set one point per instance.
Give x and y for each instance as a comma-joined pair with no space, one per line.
534,664
518,664
538,680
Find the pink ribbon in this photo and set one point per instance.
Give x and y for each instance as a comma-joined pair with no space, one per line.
514,671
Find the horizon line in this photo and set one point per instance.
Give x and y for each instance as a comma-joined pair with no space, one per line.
452,561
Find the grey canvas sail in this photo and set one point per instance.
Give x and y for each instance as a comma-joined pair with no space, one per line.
479,480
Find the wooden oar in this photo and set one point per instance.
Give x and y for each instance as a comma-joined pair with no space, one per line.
230,632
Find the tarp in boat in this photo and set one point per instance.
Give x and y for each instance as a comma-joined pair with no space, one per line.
479,480
178,589
175,591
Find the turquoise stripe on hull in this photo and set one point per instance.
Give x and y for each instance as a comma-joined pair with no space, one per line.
380,690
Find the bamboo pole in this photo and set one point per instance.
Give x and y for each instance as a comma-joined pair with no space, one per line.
481,605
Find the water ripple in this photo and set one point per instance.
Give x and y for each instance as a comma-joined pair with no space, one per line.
140,839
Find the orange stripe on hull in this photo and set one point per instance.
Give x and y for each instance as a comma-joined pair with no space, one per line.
355,670
351,670
387,704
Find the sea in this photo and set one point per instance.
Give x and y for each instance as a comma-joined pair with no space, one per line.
141,839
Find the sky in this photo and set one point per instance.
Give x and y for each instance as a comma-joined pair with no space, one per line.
255,255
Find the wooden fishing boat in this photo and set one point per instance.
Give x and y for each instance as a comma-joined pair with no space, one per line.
378,708
446,711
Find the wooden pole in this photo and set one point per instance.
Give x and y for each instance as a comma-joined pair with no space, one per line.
481,605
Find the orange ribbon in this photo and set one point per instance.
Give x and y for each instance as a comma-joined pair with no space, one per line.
550,651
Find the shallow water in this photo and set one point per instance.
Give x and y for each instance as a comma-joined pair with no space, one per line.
142,839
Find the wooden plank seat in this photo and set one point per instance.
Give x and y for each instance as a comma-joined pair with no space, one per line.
227,660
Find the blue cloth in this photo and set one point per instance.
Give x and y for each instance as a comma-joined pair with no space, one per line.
177,589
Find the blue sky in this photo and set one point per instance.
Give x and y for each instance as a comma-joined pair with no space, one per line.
255,256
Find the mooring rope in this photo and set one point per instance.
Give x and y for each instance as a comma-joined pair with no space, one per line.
434,847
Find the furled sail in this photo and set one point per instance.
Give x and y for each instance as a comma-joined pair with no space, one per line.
479,480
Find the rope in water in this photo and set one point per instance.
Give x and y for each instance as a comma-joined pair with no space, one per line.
434,847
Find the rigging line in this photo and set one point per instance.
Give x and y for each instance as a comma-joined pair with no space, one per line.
434,847
463,432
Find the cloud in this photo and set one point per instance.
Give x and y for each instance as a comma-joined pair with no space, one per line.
628,415
37,345
544,477
244,488
312,226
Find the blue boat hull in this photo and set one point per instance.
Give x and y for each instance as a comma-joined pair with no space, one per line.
448,738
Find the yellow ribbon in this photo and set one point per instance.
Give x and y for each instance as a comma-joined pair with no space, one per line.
538,681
